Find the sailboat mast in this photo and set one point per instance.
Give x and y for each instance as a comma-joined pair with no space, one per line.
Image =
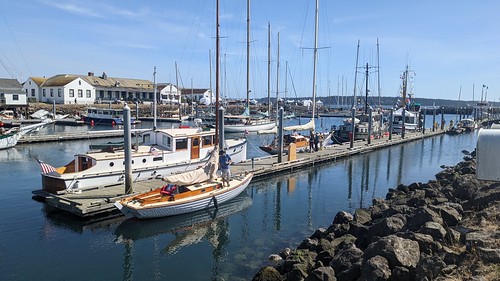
269,69
155,100
378,77
315,58
248,55
366,89
217,70
355,77
405,85
277,74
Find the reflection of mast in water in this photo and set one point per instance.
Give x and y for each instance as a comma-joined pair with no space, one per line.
218,236
421,153
431,157
400,167
365,178
277,210
389,160
375,180
349,181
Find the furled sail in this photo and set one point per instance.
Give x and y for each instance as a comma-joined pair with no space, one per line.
202,174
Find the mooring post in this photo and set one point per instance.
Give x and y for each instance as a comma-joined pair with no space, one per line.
128,149
222,141
370,122
391,121
280,134
353,126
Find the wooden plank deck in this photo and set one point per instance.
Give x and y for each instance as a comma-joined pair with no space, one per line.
100,201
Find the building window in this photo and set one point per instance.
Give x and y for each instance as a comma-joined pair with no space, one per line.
80,82
80,93
88,94
44,93
71,93
51,92
32,92
15,97
59,92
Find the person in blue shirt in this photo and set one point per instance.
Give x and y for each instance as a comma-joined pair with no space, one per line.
224,162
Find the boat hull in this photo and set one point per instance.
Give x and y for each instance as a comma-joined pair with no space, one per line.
172,208
248,127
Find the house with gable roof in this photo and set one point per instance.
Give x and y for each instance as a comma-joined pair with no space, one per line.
11,94
32,88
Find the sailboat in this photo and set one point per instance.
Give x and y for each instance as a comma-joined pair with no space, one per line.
246,122
190,191
9,138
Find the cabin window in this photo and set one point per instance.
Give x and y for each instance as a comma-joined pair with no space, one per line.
158,159
166,141
207,140
88,94
146,139
80,93
71,93
181,143
111,164
144,160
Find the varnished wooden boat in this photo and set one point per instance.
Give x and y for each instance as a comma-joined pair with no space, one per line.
183,199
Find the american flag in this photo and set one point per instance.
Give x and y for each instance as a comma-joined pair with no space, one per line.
46,168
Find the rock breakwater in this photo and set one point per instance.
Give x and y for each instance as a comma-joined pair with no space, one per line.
445,229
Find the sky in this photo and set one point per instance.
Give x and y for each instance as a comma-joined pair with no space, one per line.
451,47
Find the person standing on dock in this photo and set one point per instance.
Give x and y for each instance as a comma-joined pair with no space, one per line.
224,162
311,141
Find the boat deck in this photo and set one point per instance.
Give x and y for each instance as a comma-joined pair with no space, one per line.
100,201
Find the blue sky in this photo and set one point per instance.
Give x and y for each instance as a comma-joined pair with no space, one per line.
448,44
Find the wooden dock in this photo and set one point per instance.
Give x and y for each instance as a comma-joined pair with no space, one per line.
99,201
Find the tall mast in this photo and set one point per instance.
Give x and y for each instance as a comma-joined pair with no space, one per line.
269,69
378,77
366,89
155,100
248,55
355,77
405,85
217,50
315,58
210,70
277,75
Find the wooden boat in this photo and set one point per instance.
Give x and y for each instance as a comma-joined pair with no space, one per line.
9,138
163,152
184,193
107,116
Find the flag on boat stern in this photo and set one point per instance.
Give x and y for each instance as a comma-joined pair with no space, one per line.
46,168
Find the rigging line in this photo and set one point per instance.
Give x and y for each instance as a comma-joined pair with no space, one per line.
15,41
6,69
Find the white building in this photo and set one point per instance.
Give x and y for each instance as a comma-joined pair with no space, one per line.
11,94
88,89
169,94
200,96
32,88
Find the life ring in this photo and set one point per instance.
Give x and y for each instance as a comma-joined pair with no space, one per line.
168,189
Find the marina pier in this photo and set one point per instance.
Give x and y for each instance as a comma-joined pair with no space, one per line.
99,201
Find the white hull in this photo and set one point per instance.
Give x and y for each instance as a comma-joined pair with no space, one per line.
249,128
10,139
173,208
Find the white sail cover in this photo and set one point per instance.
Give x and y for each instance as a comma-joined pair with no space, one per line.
308,126
202,174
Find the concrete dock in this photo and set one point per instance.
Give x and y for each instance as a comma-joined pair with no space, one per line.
100,201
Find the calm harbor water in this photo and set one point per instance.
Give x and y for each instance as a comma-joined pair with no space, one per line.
232,243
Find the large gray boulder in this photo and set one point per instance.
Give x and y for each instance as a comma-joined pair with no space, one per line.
324,273
375,269
398,251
